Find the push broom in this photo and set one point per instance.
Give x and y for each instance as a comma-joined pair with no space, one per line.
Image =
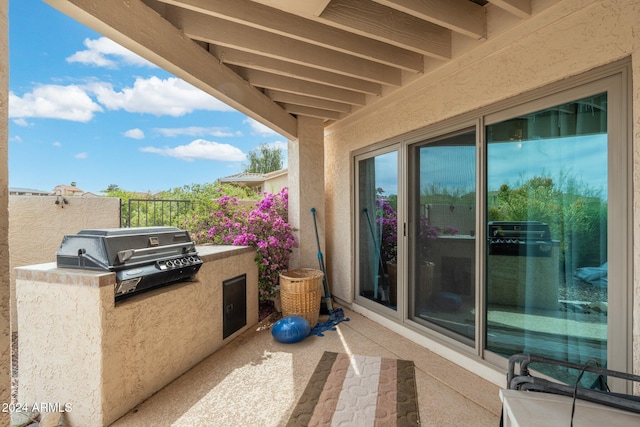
335,315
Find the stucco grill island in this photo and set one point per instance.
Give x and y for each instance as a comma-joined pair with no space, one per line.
143,258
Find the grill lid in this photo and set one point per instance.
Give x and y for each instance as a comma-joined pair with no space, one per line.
143,258
518,231
519,238
117,248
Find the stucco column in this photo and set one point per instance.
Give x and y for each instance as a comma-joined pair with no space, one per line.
306,190
5,330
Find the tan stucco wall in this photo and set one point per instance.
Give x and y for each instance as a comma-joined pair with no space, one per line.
37,226
306,183
103,358
5,329
566,39
276,184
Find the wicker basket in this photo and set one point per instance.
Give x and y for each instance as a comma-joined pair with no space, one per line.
301,293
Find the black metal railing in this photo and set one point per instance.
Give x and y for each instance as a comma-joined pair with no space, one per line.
154,212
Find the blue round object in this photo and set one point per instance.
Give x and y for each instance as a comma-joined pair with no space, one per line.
448,301
291,329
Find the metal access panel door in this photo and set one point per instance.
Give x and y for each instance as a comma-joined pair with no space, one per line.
234,297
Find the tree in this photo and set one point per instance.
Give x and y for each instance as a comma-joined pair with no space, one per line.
575,212
264,159
111,188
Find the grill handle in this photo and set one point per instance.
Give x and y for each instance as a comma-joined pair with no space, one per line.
126,255
83,255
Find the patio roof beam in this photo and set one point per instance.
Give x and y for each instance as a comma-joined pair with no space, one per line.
225,33
256,62
379,22
519,8
307,101
300,87
298,7
140,29
312,112
275,21
461,16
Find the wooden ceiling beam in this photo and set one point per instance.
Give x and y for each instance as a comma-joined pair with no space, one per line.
519,8
276,21
256,62
301,87
382,23
301,110
298,7
225,33
461,16
307,101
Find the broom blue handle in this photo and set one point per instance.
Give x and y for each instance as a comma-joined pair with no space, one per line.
325,281
377,248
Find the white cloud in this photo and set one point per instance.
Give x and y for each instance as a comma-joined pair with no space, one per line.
171,96
15,139
197,131
134,133
83,155
54,102
258,128
103,52
201,149
57,144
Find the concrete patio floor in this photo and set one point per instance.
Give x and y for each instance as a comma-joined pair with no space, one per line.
256,381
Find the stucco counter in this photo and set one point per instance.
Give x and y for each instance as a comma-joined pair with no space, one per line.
100,358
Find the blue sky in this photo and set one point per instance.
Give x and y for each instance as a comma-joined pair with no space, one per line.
583,158
83,109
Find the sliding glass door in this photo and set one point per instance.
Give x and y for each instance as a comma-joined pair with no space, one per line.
377,225
442,235
508,230
547,257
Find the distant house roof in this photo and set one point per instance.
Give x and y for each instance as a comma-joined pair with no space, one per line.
244,178
257,181
276,174
250,178
59,190
66,190
20,191
90,194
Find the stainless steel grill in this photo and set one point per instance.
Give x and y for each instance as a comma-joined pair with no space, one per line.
519,238
143,258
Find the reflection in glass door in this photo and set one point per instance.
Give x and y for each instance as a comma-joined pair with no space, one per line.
442,235
377,227
511,233
547,274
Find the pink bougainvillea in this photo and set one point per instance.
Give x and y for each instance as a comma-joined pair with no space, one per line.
387,222
264,227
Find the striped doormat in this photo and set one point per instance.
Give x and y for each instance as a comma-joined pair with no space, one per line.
357,390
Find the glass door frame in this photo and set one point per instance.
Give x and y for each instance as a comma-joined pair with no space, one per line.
371,152
615,79
413,145
410,142
620,197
